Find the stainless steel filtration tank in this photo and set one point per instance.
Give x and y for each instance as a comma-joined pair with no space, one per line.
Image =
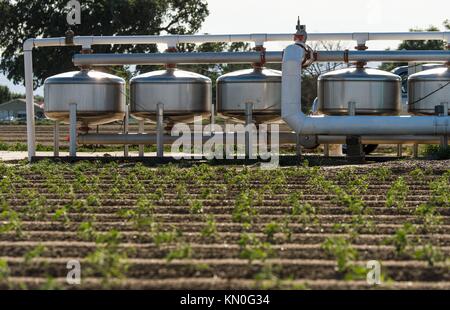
428,89
100,97
183,95
374,92
259,86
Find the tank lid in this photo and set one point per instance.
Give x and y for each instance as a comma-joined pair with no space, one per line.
170,76
437,74
84,76
252,75
359,74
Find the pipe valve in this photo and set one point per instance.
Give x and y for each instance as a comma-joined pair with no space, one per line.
301,34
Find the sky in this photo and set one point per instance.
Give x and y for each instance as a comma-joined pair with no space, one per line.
280,16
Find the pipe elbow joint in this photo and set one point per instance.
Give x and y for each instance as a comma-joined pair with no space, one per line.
28,45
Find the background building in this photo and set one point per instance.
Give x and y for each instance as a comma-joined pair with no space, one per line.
15,110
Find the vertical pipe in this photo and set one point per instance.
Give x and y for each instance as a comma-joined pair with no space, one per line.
73,129
160,131
31,135
97,129
416,150
413,67
444,139
141,131
399,150
298,148
326,150
248,133
213,117
125,130
56,139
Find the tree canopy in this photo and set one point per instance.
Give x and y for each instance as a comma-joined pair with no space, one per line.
5,94
23,19
418,45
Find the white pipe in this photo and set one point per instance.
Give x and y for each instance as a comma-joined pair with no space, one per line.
385,56
179,58
344,125
31,135
252,57
229,38
402,139
291,92
284,137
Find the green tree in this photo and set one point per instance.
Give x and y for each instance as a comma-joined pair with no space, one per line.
417,45
5,94
23,19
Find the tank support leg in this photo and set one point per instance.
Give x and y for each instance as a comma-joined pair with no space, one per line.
97,129
399,150
298,148
160,131
248,132
415,150
444,139
326,150
213,116
354,146
125,130
56,139
73,129
141,131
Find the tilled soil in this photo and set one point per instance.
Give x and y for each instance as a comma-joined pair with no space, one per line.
204,227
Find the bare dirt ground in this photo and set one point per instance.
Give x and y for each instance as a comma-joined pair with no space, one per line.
225,227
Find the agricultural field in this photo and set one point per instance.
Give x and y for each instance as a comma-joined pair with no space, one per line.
200,226
17,134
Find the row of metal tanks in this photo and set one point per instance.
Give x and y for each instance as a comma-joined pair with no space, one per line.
101,97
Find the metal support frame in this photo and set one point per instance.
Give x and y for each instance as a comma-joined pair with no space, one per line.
141,131
56,139
73,129
160,131
88,41
249,130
